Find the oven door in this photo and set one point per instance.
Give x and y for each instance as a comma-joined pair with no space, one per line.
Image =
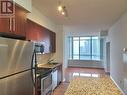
46,85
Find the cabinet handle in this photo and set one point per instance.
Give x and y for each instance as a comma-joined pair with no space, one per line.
10,24
13,24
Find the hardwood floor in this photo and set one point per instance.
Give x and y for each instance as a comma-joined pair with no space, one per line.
60,90
71,72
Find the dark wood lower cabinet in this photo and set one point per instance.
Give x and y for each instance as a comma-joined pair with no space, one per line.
59,74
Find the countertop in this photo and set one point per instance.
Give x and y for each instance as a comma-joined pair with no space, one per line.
48,65
44,69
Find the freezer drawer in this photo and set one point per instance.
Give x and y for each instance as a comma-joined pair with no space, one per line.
20,84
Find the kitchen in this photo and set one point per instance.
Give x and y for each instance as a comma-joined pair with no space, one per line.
38,42
26,33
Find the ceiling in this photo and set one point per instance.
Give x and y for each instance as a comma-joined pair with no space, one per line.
95,14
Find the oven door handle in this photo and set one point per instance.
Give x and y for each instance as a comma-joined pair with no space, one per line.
46,76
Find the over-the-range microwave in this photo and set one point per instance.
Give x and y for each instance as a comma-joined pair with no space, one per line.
39,48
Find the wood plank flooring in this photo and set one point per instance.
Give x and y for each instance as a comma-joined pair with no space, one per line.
71,72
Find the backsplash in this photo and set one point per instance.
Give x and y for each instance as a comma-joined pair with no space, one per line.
43,58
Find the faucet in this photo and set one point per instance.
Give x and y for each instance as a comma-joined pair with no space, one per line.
50,61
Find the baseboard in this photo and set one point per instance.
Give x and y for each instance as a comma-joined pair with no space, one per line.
85,67
117,85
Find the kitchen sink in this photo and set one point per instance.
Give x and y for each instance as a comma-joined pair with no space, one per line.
54,63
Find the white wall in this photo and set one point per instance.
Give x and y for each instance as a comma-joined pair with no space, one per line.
118,39
39,18
86,63
27,4
79,31
59,44
66,49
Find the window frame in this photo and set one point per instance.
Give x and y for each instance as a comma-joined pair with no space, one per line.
91,44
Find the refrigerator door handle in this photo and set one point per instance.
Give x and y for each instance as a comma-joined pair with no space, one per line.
33,70
32,76
34,67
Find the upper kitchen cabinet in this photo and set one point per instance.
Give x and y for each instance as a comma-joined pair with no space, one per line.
48,40
38,33
52,41
5,25
20,21
15,25
33,31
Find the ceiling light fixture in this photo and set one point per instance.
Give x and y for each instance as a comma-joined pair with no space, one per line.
63,13
62,9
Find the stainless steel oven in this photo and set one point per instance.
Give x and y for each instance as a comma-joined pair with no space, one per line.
46,85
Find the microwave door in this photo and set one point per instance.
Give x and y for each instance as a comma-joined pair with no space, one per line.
39,48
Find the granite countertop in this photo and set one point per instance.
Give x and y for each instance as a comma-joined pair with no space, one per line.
49,65
92,86
44,69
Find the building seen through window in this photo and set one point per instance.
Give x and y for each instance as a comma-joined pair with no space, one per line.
84,48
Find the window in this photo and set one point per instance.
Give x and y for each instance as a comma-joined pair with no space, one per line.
76,47
84,48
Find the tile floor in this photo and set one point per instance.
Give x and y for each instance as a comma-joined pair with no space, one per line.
71,72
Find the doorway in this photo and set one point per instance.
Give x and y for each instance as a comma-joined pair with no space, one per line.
108,57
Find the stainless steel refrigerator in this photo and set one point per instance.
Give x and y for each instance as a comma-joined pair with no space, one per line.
16,69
